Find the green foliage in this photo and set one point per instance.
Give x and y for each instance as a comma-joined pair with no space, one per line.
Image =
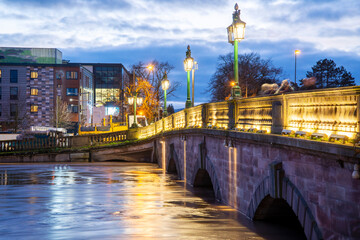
328,75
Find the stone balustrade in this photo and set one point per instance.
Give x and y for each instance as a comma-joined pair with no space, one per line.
326,111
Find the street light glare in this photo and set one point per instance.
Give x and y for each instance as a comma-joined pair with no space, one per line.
150,67
297,51
232,83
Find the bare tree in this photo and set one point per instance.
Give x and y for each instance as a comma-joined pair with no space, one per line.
62,115
253,72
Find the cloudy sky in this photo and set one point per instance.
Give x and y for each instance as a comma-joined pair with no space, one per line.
129,31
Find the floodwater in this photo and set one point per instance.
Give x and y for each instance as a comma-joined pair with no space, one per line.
115,201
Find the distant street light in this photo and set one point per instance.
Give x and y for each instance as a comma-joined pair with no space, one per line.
165,86
236,33
193,82
188,65
297,52
134,99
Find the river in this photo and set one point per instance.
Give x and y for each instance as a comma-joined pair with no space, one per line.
115,200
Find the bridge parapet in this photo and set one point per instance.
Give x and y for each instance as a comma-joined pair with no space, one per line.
326,111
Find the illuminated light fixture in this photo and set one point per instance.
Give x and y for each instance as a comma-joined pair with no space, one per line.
301,133
131,100
287,132
232,83
261,131
165,84
338,137
252,130
297,52
318,135
236,33
188,65
150,67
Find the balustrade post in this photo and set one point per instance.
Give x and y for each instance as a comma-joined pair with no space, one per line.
358,113
204,115
277,124
231,114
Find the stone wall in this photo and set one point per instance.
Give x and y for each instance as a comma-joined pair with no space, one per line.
314,179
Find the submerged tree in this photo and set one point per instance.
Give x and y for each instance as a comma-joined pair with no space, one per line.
328,75
253,72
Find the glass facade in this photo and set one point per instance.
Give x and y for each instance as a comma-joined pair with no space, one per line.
108,84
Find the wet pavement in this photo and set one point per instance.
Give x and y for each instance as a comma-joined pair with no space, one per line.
115,201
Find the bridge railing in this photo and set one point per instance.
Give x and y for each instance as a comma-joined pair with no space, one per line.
37,143
328,111
61,142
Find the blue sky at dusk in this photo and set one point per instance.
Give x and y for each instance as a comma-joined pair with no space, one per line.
137,30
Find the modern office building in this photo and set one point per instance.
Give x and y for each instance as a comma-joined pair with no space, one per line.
30,55
32,92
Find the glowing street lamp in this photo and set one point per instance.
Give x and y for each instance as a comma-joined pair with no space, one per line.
236,33
297,52
135,100
188,65
165,84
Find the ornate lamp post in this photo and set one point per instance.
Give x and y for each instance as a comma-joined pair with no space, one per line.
297,52
188,65
134,99
193,80
236,32
165,84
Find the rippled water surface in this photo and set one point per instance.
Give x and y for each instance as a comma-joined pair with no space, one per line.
114,201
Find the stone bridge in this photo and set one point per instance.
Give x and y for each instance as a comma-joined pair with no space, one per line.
275,157
269,176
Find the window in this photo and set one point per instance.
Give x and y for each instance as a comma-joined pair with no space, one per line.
0,75
0,109
73,108
71,92
13,109
13,93
34,108
71,75
13,76
33,74
34,91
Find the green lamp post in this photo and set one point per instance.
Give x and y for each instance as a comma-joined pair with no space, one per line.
188,65
236,32
165,84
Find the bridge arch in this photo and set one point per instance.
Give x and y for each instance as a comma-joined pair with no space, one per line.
285,201
204,175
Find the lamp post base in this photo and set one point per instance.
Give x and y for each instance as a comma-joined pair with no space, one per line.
236,92
165,114
188,104
134,125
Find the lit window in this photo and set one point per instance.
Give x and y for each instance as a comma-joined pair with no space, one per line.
0,75
33,74
71,91
71,75
34,108
34,91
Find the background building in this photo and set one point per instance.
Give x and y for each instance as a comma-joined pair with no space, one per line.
30,55
34,92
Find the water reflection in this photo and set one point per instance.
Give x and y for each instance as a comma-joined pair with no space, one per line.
113,200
